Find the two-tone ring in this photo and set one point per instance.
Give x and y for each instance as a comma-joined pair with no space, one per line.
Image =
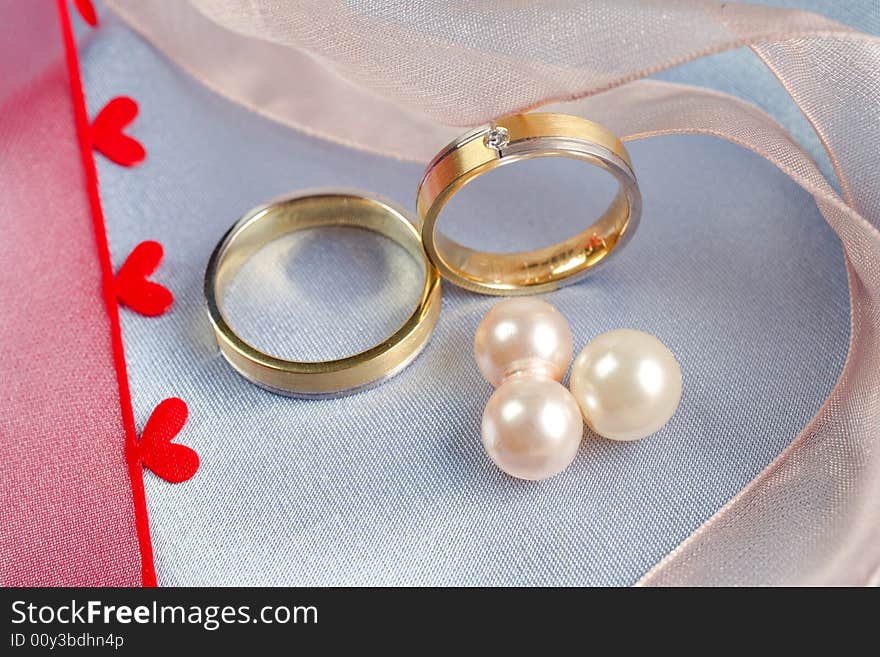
332,377
510,140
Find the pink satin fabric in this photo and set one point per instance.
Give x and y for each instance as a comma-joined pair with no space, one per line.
402,85
66,509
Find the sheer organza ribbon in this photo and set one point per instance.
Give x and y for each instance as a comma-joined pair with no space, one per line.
403,82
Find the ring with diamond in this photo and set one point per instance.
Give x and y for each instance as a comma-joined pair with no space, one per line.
309,210
509,140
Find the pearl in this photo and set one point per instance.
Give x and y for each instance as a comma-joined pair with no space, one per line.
627,383
522,334
532,427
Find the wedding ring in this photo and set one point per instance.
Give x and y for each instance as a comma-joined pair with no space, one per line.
333,377
509,140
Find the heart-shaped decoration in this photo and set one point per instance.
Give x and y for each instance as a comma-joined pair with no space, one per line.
107,135
173,463
132,287
87,10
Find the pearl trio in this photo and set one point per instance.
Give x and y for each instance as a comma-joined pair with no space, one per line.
625,384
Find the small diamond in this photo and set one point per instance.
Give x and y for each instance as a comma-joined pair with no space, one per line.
497,138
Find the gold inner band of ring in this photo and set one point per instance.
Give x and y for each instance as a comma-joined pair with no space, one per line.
509,140
309,210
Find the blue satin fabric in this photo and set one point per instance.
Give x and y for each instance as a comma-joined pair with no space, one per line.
733,267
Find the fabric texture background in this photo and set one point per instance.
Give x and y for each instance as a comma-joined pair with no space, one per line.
733,267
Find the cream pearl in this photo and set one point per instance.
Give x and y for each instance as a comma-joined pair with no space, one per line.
522,334
627,383
532,427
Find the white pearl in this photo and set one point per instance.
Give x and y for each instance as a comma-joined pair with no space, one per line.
627,383
522,334
532,427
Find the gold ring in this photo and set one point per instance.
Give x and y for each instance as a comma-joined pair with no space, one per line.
509,140
333,377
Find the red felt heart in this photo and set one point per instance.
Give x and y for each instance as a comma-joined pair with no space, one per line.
132,287
174,463
107,135
87,10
